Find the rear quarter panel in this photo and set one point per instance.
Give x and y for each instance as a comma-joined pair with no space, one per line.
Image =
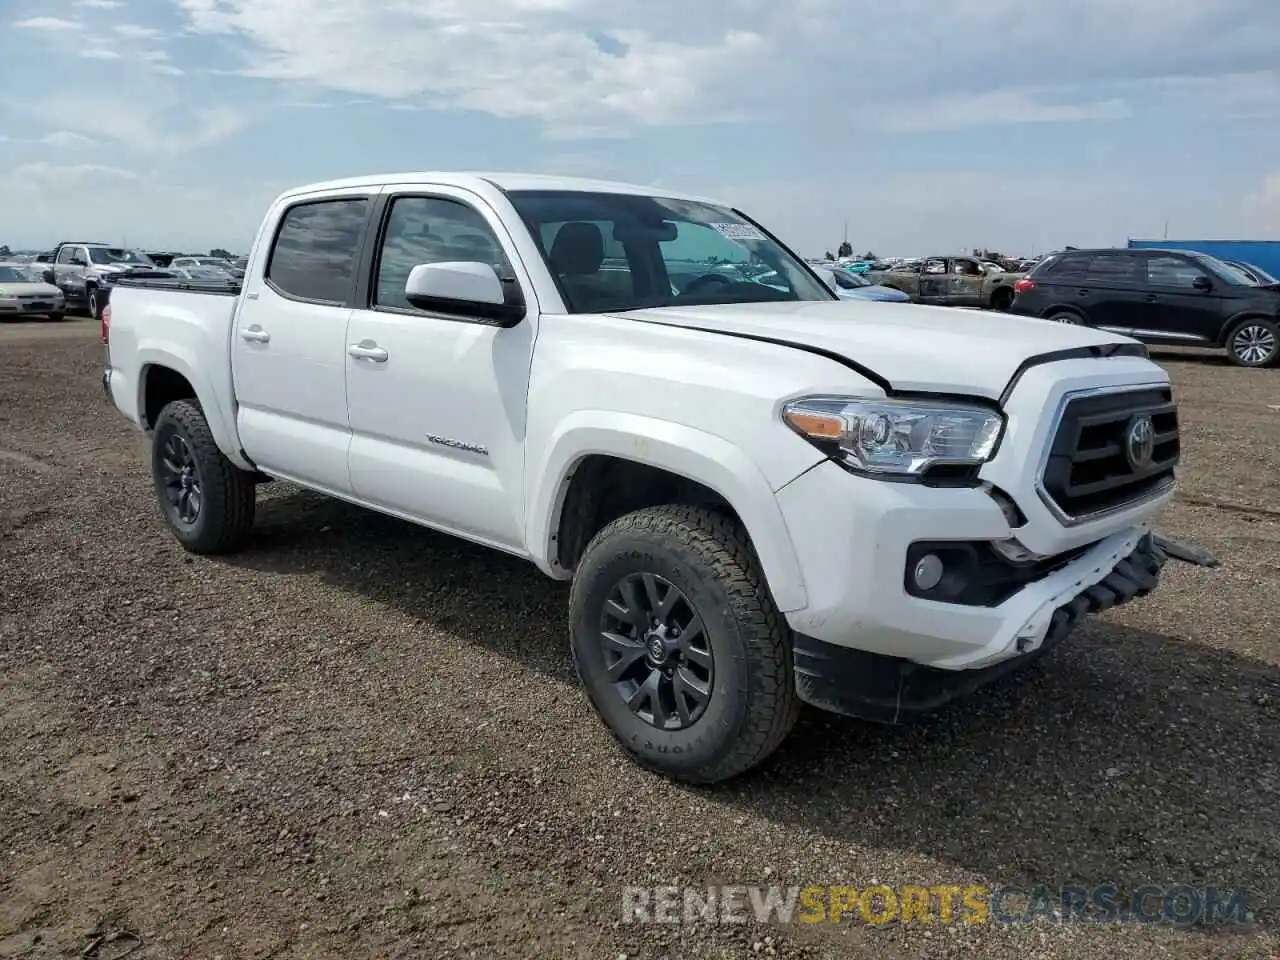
185,331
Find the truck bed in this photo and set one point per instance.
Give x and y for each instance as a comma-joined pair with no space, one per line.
227,288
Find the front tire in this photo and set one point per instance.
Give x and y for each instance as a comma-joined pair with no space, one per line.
1065,316
207,501
1254,343
91,303
679,645
56,317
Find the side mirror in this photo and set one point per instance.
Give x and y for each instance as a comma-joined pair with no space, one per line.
46,276
468,288
1202,283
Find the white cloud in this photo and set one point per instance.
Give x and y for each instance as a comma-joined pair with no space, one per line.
136,31
996,108
602,67
148,130
99,4
99,53
47,23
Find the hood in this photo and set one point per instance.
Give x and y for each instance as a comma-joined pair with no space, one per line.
911,347
33,289
875,292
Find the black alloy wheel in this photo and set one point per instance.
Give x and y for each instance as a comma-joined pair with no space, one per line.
656,652
180,476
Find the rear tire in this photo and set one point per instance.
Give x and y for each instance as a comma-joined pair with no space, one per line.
207,500
725,640
1065,316
1254,343
1002,300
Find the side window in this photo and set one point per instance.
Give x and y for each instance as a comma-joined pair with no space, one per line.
1067,265
1172,272
66,254
966,268
1113,268
314,257
935,266
431,230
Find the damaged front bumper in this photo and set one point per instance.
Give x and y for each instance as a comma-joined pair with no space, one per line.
890,690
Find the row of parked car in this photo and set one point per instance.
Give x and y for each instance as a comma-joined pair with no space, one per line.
78,275
1169,297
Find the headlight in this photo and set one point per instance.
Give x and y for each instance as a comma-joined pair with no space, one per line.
901,438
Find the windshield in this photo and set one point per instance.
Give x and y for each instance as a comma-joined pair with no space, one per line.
119,255
1233,275
611,252
11,275
1263,278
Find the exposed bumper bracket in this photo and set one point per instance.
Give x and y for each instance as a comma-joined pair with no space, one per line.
890,690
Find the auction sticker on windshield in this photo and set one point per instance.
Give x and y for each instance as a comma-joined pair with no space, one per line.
737,231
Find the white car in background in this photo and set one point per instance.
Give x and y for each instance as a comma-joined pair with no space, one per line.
20,296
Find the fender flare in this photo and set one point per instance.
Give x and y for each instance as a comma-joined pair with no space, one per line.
694,454
1239,318
179,360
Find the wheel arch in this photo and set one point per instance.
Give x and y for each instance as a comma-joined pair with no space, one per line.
1235,322
167,375
697,463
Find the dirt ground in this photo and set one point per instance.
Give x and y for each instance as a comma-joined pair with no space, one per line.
362,739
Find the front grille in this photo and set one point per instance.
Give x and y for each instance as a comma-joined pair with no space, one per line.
1089,469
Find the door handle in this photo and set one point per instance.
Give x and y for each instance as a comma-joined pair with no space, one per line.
255,334
1151,298
1082,293
367,350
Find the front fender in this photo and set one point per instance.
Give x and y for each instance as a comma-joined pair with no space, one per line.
179,358
691,453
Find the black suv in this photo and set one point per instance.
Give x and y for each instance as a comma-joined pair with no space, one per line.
1158,296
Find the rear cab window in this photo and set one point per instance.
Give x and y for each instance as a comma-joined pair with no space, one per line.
316,249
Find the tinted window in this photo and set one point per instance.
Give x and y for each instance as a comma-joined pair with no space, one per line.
11,275
431,230
1114,268
67,254
1067,265
314,256
1172,272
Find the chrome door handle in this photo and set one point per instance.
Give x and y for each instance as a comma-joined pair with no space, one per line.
367,350
255,334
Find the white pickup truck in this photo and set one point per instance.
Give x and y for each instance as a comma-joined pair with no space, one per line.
762,494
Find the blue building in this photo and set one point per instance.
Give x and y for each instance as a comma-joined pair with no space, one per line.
1259,253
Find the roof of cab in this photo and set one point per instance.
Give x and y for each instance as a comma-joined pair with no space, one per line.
482,181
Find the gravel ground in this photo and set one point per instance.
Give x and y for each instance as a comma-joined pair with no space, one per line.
359,738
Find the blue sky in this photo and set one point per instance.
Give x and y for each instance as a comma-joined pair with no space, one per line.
929,125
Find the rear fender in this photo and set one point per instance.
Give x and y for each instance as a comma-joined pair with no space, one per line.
217,409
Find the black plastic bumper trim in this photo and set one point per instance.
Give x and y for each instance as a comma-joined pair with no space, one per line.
892,690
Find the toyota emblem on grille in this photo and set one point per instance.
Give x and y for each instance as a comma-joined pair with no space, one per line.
1140,442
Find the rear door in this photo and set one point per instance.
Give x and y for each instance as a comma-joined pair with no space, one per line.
289,343
935,281
438,399
1110,293
1173,308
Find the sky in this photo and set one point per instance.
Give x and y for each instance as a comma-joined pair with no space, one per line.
928,126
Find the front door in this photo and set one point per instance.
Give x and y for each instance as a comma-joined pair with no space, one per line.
1173,307
967,282
437,401
289,345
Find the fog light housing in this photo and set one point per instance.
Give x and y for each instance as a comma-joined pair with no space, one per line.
928,572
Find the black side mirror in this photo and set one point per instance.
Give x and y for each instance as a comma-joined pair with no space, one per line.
46,276
1202,283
